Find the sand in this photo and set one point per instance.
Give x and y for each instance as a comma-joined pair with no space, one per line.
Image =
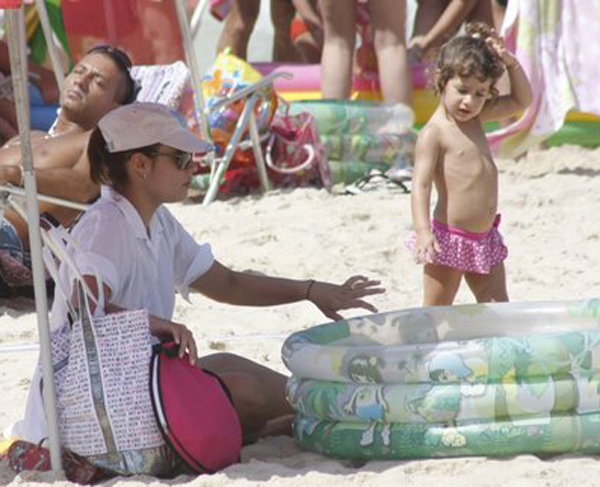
550,204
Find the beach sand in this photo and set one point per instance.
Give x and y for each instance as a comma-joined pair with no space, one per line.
550,204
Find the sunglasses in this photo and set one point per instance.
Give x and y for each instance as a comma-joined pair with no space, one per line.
181,159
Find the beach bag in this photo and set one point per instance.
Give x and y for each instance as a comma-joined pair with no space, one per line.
102,373
194,411
294,155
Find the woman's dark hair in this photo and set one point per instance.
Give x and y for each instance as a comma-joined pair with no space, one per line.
111,167
468,55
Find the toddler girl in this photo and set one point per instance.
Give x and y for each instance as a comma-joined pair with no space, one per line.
452,153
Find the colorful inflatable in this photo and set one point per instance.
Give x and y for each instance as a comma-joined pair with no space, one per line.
494,380
306,85
579,128
361,136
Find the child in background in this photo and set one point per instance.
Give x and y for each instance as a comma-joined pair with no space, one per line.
452,153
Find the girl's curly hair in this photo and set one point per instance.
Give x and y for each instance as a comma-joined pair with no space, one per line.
468,55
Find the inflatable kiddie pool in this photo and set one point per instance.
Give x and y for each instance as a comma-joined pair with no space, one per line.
493,380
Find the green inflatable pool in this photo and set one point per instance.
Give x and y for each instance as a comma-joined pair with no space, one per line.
494,380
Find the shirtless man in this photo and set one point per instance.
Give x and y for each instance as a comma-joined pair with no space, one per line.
98,83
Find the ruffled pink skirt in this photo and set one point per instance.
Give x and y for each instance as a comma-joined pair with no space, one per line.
466,251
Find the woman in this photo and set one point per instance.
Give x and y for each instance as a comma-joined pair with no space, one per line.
142,155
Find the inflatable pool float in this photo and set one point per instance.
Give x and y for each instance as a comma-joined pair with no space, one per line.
361,136
579,128
306,85
484,379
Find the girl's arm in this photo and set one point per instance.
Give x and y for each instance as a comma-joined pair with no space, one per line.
227,286
520,95
427,154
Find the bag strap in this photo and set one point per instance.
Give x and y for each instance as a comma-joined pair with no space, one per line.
310,158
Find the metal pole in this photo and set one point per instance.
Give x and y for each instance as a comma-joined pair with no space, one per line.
52,49
197,18
192,63
17,58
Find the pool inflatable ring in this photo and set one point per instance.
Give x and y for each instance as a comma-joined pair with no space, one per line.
403,441
472,400
479,373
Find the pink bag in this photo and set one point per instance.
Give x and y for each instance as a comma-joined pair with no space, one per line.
194,411
295,154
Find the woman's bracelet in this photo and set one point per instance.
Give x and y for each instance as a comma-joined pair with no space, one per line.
513,65
310,285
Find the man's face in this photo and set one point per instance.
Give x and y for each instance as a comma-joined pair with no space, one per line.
91,90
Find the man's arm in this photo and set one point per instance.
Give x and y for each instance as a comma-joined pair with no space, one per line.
61,166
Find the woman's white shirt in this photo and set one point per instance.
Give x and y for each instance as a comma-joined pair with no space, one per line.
142,269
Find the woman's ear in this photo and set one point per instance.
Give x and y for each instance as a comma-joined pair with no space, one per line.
140,164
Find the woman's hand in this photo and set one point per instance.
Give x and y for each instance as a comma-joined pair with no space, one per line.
180,334
426,247
331,298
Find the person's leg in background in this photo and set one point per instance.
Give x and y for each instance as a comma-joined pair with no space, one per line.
238,27
339,21
388,20
306,31
282,14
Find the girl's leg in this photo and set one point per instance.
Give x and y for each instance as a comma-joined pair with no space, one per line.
489,287
388,19
339,21
440,284
238,26
258,394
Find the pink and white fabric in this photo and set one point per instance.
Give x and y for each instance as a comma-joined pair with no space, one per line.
558,45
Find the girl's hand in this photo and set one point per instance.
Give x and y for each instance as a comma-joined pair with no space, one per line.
496,43
425,248
331,298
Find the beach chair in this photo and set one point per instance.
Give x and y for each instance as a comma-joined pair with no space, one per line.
158,33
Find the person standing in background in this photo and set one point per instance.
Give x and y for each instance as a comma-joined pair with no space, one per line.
388,18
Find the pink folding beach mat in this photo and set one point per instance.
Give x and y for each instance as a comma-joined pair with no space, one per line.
194,411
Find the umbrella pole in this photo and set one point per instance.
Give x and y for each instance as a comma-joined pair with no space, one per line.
17,58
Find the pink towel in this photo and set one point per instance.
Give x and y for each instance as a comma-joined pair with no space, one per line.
558,45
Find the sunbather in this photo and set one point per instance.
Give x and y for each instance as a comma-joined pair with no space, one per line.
98,83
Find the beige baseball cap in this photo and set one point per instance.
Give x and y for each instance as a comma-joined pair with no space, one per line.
142,124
